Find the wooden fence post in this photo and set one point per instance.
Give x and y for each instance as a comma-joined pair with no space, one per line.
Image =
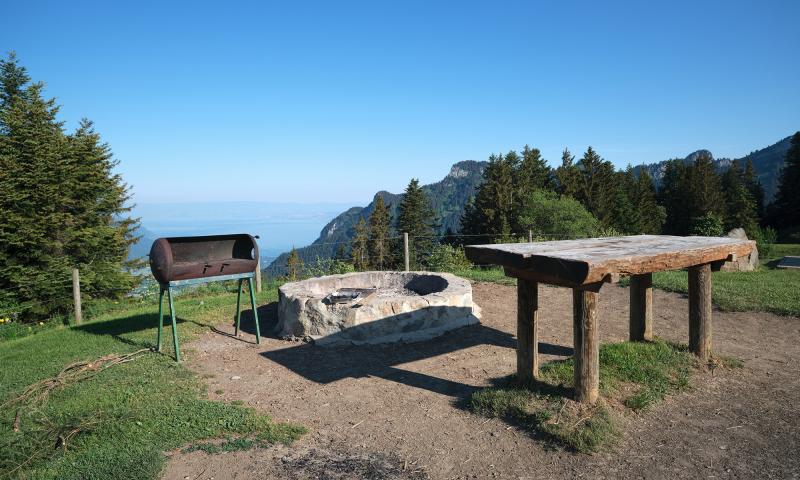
530,236
76,295
405,251
258,275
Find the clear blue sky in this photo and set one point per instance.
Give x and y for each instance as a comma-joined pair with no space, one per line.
332,101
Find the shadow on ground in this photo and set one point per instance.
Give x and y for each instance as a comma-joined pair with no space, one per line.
331,363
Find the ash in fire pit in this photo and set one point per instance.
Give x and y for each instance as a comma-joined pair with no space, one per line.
375,307
346,295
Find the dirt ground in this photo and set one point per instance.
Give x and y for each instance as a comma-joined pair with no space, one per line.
397,411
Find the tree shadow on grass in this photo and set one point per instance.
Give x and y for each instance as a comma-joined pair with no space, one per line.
122,328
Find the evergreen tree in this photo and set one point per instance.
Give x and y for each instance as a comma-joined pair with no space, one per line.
603,192
567,176
692,195
359,249
60,204
533,172
416,217
740,204
754,186
341,253
491,213
379,229
593,180
705,189
649,215
294,265
674,195
615,209
786,207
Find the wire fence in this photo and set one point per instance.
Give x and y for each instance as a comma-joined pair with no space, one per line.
423,252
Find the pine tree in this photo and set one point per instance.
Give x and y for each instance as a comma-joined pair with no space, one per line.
705,190
567,175
60,204
593,180
615,209
675,196
416,217
754,186
294,265
491,213
533,172
359,249
786,207
650,216
739,201
379,230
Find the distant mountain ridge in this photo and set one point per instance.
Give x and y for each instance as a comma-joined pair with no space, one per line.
447,196
767,164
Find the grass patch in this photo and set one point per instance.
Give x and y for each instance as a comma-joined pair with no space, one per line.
492,274
780,250
118,423
765,289
633,376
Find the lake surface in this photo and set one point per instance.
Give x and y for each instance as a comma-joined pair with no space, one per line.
280,226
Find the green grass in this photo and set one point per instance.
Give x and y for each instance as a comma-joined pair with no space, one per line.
493,274
633,376
780,250
766,289
129,414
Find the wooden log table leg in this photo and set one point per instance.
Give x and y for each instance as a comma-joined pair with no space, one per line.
700,310
641,311
586,346
527,335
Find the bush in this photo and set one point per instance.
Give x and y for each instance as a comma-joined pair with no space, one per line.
709,225
608,232
327,266
447,258
765,239
548,213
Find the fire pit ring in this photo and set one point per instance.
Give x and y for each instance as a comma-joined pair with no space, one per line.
375,307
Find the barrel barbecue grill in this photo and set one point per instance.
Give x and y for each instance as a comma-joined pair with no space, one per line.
178,261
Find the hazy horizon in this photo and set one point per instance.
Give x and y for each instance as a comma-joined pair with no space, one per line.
280,226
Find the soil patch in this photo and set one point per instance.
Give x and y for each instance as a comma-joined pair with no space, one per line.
400,407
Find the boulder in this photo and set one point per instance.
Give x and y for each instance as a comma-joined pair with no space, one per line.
744,264
405,307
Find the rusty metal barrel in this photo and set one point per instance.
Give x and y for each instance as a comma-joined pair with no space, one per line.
185,258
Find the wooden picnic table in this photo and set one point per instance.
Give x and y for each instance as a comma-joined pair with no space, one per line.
585,265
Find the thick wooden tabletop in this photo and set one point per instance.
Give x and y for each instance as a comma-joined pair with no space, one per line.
592,260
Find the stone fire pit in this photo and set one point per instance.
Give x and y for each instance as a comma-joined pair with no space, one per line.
375,307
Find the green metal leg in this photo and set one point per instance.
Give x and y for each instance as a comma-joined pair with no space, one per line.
255,309
160,317
238,306
174,326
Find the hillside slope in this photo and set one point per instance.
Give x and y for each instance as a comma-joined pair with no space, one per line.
767,163
448,197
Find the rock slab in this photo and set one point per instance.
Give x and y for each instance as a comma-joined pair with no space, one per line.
439,302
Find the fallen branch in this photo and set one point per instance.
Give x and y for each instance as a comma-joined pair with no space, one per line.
37,393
